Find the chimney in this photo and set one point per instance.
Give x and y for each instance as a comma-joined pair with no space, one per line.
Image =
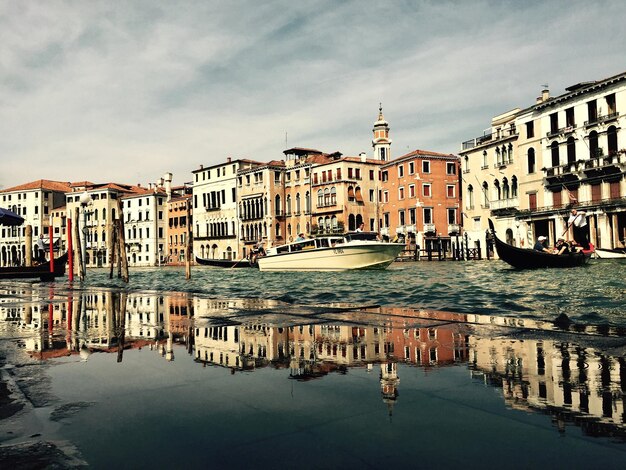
545,94
228,159
201,166
539,100
363,156
167,177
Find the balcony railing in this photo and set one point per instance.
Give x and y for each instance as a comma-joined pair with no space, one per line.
454,229
487,138
406,229
608,117
429,228
504,203
562,131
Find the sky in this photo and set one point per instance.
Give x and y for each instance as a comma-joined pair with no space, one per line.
125,91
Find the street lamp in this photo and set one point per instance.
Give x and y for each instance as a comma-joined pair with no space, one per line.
85,199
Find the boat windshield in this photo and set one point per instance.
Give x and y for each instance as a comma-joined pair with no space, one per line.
369,236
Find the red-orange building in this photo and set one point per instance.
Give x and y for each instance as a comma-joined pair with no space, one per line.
179,226
420,199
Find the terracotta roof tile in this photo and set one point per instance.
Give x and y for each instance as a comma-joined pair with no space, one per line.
48,185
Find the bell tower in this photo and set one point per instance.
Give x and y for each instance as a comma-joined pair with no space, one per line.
381,141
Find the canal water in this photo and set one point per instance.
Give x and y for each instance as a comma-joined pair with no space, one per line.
421,365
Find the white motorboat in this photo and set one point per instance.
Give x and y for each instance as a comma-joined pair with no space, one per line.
354,250
603,253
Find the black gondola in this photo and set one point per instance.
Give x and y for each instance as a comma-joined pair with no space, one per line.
226,263
523,258
41,271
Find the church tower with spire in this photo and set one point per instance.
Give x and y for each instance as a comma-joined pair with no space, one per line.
381,141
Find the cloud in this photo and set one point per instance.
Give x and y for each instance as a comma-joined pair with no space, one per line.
126,91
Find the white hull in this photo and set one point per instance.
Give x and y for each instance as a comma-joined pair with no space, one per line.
338,258
608,254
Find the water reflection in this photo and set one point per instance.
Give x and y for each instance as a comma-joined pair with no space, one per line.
576,374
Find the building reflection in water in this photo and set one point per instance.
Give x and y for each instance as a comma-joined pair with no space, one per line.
570,382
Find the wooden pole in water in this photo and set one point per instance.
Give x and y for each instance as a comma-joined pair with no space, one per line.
81,267
29,245
122,243
112,242
187,258
70,252
51,240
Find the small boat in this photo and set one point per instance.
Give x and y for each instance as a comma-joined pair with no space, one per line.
604,253
354,250
225,263
524,258
41,271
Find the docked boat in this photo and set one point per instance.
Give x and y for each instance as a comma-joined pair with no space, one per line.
525,258
41,271
225,263
354,250
604,253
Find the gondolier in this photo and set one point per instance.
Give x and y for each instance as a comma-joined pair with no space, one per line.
578,221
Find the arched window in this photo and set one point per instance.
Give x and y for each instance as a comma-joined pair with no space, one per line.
554,149
593,145
466,163
505,188
307,202
571,150
470,197
514,186
277,205
531,160
326,197
277,230
485,194
351,223
498,155
485,163
298,205
333,196
510,157
320,224
320,198
497,189
611,136
288,205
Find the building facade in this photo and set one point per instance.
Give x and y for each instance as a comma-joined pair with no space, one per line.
420,200
35,202
538,163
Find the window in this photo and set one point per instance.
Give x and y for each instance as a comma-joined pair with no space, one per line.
592,112
412,218
411,168
554,123
530,129
357,173
385,196
426,190
569,117
452,216
450,168
371,175
372,195
485,159
531,160
385,176
425,166
400,171
349,173
401,217
411,190
610,104
401,193
428,215
554,148
450,190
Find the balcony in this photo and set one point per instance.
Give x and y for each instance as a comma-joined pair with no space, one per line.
510,203
608,117
454,229
429,228
562,131
488,138
406,229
